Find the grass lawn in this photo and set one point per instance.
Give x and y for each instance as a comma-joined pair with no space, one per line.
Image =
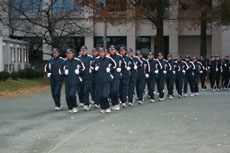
10,86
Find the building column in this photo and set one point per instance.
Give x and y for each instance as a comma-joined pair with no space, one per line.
152,44
89,42
1,54
46,51
173,26
225,40
216,41
131,36
131,42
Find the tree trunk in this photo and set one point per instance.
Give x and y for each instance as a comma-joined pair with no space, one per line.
203,28
203,40
159,41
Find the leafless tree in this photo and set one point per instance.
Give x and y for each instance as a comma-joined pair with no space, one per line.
117,12
44,19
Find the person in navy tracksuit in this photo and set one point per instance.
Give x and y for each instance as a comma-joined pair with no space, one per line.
226,72
133,76
171,75
218,72
71,69
203,76
142,71
153,75
114,90
163,66
102,67
52,71
180,74
86,76
95,54
197,72
124,82
188,79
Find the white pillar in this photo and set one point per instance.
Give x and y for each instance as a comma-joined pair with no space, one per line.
46,51
152,44
216,41
1,54
225,40
89,42
131,42
131,36
173,26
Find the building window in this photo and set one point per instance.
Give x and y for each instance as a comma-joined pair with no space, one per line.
99,4
73,42
186,5
152,5
117,41
67,5
116,5
144,44
27,5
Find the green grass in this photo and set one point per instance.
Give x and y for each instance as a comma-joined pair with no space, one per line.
11,85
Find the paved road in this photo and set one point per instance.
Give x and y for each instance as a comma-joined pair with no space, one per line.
199,124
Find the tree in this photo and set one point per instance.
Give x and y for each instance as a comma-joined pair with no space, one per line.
118,12
52,21
206,14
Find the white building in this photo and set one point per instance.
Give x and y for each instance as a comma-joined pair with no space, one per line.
13,54
180,38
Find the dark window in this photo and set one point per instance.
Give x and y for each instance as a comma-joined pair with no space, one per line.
116,5
152,5
144,44
73,42
118,41
35,50
67,5
99,4
185,5
27,5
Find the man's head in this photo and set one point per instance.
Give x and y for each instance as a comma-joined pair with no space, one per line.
55,52
70,53
84,50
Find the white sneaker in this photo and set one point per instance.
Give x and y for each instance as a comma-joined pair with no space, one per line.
170,97
96,105
123,104
92,102
161,99
116,107
179,96
152,100
108,110
75,110
196,94
86,107
192,94
57,108
130,104
102,111
185,95
81,104
140,102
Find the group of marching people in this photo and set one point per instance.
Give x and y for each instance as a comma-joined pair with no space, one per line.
219,73
115,76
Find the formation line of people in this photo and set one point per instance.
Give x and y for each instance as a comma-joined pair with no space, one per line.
113,78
